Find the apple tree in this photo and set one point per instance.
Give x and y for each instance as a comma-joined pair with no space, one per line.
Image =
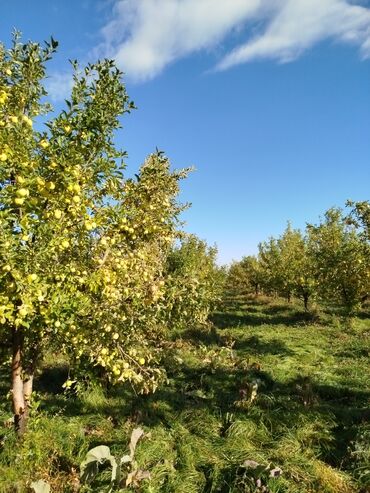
341,261
83,250
194,282
297,265
274,281
288,265
359,216
245,276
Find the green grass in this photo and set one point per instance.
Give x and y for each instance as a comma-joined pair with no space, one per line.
309,417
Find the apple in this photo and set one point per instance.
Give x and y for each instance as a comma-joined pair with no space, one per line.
22,192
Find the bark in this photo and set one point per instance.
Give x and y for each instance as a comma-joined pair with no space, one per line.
305,301
21,385
27,393
17,383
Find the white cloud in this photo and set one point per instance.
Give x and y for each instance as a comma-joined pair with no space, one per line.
59,86
144,36
299,24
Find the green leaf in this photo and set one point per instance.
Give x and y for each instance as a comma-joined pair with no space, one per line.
90,466
54,43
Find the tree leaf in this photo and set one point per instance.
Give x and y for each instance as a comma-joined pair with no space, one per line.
90,466
136,434
134,477
125,459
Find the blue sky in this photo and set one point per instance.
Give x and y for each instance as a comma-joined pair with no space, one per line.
268,99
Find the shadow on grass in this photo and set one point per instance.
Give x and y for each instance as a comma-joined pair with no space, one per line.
364,315
255,346
194,392
215,391
51,379
229,319
330,413
206,336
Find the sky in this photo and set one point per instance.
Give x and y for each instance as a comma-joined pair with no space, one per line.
268,99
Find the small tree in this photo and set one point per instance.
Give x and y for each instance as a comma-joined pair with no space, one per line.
288,266
83,251
252,268
194,282
359,216
297,268
272,268
237,282
341,260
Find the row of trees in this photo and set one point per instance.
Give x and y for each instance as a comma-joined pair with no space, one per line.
91,263
330,261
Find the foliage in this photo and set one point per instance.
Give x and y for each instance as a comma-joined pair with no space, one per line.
194,282
360,217
287,266
83,250
341,261
245,277
329,263
101,454
360,454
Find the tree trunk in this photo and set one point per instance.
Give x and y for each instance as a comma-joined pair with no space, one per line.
21,385
17,383
27,394
305,301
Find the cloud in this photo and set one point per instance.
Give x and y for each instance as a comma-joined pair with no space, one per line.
299,24
147,35
144,36
59,86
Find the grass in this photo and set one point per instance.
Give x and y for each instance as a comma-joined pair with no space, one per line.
267,383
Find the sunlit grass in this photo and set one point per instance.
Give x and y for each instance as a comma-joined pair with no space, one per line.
308,416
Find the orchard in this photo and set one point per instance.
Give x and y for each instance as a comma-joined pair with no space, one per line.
328,264
117,327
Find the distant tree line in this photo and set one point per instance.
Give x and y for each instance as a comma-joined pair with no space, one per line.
329,262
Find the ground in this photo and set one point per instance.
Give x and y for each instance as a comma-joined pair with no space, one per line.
266,382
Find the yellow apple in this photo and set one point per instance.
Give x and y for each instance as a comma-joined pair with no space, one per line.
22,192
23,312
44,143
